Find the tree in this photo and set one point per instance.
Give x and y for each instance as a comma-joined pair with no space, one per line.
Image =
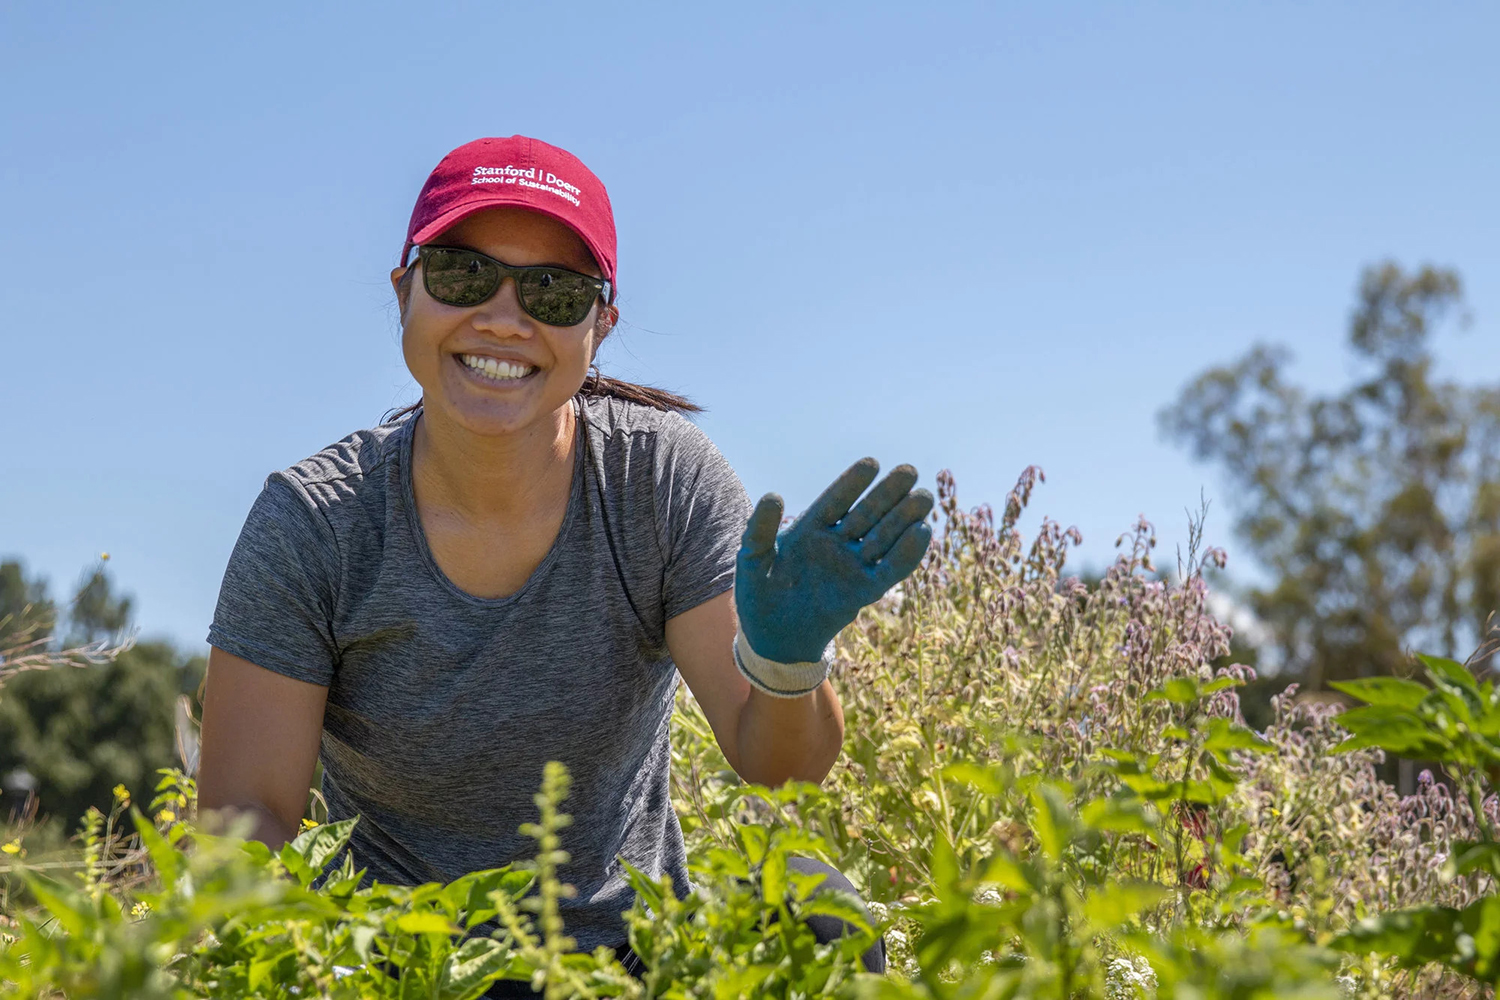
25,612
75,730
1377,509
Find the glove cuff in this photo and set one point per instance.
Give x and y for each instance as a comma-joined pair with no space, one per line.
779,680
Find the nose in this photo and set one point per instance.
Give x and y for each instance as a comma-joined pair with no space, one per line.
502,314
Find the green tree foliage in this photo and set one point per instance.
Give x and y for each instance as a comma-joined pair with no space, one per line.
1376,509
22,603
79,730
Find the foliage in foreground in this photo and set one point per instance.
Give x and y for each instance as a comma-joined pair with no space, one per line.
1047,791
226,918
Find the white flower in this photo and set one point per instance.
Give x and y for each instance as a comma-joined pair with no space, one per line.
1128,978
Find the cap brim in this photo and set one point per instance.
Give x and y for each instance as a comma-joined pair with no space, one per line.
455,215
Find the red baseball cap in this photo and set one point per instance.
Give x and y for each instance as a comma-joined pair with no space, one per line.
519,171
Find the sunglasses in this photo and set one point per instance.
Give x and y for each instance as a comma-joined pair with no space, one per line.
457,276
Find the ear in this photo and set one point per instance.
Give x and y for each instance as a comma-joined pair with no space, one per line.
608,317
403,291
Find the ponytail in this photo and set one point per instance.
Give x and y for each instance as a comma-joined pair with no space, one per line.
659,399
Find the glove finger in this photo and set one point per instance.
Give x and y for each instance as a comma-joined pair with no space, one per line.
878,502
834,502
913,509
759,540
905,556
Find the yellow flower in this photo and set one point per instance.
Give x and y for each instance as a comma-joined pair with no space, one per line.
122,795
14,847
165,816
307,824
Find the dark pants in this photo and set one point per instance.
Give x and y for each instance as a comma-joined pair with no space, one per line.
824,928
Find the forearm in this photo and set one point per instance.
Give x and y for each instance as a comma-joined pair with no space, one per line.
265,827
780,739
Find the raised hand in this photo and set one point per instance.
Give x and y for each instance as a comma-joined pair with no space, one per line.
795,590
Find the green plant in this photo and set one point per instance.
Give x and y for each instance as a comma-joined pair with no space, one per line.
225,917
1455,722
1048,791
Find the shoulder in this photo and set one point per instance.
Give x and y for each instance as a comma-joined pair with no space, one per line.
352,471
610,416
666,436
349,464
338,491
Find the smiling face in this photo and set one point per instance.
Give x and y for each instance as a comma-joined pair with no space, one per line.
492,369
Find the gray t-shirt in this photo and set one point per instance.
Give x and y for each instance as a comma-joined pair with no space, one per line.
443,707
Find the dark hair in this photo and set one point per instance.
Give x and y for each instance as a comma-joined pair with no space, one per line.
595,385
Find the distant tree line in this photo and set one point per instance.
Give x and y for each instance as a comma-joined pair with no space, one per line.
1375,509
70,733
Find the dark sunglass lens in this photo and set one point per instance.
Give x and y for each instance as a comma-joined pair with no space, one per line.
557,297
459,278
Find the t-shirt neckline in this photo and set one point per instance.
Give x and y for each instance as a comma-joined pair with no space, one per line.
414,522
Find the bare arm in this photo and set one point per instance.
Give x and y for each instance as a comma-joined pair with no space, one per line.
766,740
261,732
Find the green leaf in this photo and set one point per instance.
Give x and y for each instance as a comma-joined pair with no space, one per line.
425,923
773,877
1467,857
746,982
260,852
1149,788
1467,940
1219,684
73,910
1118,814
259,970
945,874
1051,821
753,841
1110,907
476,962
361,938
1004,870
322,842
1179,690
1484,928
842,905
1119,756
296,865
476,904
1412,937
1394,730
1394,692
1451,671
1235,836
1224,736
987,780
1206,793
163,855
804,884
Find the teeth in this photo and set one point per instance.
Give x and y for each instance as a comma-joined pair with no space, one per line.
495,368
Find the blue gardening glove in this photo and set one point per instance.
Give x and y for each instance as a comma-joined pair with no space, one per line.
794,591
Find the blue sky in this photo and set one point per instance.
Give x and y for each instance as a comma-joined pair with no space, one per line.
967,237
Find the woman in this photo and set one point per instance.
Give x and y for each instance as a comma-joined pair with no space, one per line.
518,568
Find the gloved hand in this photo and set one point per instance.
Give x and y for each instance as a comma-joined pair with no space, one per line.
794,591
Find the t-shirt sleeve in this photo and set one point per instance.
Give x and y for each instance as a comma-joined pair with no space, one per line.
701,510
276,602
